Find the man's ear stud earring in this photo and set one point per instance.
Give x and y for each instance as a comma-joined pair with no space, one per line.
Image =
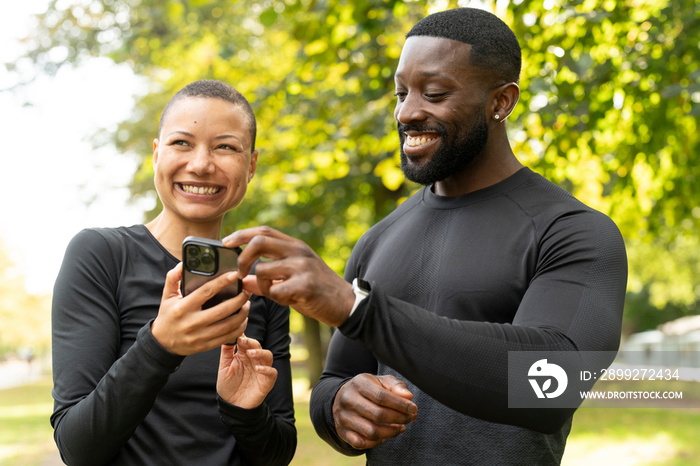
497,116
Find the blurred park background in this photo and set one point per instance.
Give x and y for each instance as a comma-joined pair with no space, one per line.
609,109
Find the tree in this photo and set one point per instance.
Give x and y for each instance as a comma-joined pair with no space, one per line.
608,107
611,94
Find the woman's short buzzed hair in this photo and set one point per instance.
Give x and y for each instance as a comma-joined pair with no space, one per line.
213,89
494,46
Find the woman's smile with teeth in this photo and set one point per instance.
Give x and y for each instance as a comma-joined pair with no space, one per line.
415,141
199,189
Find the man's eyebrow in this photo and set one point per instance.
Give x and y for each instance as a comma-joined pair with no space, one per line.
429,74
435,74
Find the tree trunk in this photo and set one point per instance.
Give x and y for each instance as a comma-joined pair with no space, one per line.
315,346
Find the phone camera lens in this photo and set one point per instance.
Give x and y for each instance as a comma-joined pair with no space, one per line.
192,250
193,262
207,259
201,259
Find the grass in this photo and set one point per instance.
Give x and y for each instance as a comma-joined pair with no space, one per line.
26,437
311,450
634,436
600,436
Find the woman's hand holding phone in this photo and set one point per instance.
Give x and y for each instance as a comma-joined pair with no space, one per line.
183,327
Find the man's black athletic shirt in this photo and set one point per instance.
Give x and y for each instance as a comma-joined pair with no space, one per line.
121,398
457,282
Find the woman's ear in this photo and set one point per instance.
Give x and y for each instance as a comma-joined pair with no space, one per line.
504,99
156,143
253,165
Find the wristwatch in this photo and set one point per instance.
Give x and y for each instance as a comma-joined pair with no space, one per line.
361,288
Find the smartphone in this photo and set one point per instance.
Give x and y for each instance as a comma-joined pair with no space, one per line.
204,259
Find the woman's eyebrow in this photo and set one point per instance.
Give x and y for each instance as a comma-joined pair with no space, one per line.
186,133
226,136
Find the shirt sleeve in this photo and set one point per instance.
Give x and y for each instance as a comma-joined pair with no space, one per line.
97,407
263,438
267,435
574,303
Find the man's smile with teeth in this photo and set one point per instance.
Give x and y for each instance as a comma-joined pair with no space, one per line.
415,141
199,189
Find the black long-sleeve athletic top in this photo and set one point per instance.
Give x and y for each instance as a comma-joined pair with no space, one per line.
456,284
121,398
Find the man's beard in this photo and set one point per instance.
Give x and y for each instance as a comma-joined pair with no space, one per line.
448,160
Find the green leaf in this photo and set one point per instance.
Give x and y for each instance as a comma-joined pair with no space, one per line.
268,17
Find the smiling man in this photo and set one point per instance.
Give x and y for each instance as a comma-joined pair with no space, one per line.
487,259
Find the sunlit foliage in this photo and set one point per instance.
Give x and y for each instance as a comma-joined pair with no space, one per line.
609,108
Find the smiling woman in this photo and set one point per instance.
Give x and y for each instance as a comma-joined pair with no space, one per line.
138,368
203,162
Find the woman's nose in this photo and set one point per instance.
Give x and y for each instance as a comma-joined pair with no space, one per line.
202,162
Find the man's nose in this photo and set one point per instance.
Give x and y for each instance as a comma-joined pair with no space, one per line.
410,109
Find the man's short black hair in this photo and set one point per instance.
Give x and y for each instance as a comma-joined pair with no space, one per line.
213,89
494,46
